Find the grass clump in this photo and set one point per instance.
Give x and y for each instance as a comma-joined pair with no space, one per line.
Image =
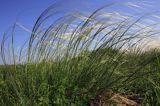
73,71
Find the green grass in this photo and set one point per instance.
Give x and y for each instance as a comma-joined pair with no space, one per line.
74,71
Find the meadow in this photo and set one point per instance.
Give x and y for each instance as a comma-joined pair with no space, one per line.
81,60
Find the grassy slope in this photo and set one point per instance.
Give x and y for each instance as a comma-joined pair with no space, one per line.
79,80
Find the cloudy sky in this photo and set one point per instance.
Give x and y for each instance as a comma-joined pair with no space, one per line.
25,12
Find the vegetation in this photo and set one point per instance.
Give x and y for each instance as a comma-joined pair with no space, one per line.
100,54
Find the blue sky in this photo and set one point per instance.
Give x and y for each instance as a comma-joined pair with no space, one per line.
26,12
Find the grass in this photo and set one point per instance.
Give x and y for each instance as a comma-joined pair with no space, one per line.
73,71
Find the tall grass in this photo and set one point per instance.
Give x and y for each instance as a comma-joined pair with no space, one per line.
78,57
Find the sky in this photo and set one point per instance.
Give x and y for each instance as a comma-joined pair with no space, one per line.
25,12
